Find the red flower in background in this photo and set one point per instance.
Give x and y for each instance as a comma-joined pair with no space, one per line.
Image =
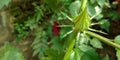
56,29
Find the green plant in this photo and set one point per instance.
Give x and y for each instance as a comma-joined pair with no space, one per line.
81,25
9,52
117,39
58,36
32,22
4,3
40,43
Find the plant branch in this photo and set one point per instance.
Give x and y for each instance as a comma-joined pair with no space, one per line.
67,54
103,39
71,45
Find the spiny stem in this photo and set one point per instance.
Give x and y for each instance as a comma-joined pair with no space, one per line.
71,45
66,57
103,39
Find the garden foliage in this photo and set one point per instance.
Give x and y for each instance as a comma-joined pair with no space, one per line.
59,29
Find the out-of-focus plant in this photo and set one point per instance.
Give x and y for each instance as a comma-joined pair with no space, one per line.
30,24
9,52
4,3
61,30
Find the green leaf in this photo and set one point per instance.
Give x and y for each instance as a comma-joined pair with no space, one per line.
54,54
4,3
114,15
51,53
72,55
101,2
99,16
64,32
49,29
106,58
37,51
9,52
90,53
117,40
56,43
39,44
105,24
118,54
91,9
74,8
52,4
92,1
76,54
86,57
96,43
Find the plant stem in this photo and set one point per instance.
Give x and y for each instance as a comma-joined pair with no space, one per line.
103,39
67,54
71,45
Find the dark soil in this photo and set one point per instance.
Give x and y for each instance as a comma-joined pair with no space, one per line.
114,31
114,28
